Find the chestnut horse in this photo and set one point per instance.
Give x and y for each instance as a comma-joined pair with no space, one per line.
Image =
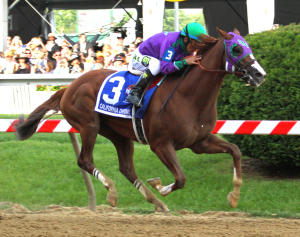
187,120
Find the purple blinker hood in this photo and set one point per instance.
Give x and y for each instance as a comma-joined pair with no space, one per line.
232,60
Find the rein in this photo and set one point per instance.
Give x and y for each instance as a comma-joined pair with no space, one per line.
182,77
218,71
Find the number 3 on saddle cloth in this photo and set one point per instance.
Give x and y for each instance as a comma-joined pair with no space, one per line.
111,99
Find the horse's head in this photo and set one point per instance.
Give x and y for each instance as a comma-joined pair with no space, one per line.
239,57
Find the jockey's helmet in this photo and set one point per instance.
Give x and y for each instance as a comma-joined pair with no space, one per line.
193,31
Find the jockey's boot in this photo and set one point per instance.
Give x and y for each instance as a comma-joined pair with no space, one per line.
136,92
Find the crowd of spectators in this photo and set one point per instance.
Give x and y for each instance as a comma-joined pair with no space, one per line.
55,56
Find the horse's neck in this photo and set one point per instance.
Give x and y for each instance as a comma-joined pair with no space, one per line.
201,87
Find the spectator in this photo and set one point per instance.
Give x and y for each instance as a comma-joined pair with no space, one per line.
120,42
2,62
127,59
138,40
106,49
49,67
132,47
92,65
8,41
57,57
89,57
107,60
51,45
125,50
46,56
23,67
100,58
119,45
65,50
38,63
107,53
9,66
118,64
83,46
16,45
62,67
113,54
29,56
122,55
76,65
35,44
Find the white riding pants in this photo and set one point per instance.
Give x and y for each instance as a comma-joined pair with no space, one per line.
139,63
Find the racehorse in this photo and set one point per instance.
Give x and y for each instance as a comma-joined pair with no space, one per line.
187,120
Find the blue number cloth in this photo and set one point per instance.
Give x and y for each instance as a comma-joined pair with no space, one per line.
111,99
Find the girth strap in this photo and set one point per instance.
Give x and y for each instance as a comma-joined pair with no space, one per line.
138,128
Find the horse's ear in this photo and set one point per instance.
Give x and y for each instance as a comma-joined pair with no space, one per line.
224,34
206,39
236,31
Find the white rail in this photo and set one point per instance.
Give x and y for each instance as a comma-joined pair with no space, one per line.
37,79
18,91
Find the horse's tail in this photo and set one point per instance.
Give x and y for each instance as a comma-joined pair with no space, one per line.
24,130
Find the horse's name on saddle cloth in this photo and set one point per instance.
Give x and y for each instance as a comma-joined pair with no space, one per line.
114,110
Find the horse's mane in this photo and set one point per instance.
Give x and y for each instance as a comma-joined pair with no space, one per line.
207,42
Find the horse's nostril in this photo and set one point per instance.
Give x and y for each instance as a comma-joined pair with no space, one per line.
259,75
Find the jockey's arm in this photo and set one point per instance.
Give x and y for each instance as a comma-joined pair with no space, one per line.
169,65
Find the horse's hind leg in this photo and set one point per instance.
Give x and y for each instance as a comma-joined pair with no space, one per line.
77,106
88,133
214,145
125,149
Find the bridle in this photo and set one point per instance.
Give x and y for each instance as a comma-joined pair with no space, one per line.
241,71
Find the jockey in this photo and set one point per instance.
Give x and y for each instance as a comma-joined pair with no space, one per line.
165,53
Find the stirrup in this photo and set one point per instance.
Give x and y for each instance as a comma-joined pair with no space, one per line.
135,101
140,104
136,94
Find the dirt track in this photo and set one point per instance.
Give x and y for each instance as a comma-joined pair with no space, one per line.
16,220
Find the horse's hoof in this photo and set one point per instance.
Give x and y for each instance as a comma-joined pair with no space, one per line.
233,202
161,207
155,183
112,199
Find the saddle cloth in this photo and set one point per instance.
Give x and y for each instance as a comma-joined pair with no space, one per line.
111,99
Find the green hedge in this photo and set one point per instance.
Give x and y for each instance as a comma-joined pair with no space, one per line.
278,52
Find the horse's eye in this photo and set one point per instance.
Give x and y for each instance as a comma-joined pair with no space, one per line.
237,50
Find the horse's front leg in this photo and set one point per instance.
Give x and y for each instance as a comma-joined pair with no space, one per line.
167,155
215,145
125,149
